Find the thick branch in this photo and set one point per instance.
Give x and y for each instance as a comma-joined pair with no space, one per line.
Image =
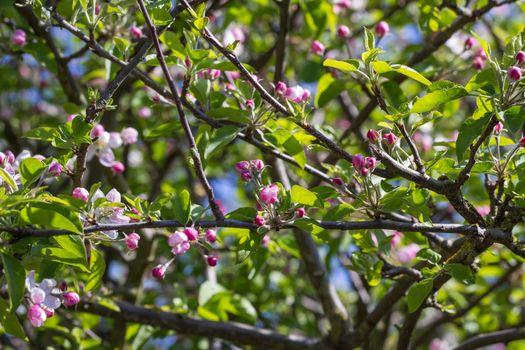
502,336
231,331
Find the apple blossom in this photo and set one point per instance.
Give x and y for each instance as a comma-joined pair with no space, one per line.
337,181
159,271
212,260
55,169
19,38
97,131
498,128
317,48
71,298
211,235
118,168
129,136
257,164
132,241
373,136
80,193
135,32
514,73
269,194
407,254
469,43
520,57
145,112
300,212
36,315
343,31
280,88
358,161
259,221
478,63
250,104
382,29
390,138
191,233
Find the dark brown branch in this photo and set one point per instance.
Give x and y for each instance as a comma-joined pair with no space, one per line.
502,336
235,332
195,155
280,46
417,158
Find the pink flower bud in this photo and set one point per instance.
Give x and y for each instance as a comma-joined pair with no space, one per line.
187,62
280,88
259,221
481,54
70,117
212,260
246,176
390,138
63,286
257,164
118,168
55,169
363,171
145,112
337,181
317,48
358,161
498,127
373,136
154,98
97,131
80,193
159,272
343,31
294,94
250,104
36,315
514,73
135,32
269,194
265,241
408,253
177,238
180,249
522,142
191,233
305,96
49,312
10,157
132,241
300,212
370,163
3,157
129,136
241,166
520,57
478,63
211,235
71,298
19,38
469,43
98,7
382,29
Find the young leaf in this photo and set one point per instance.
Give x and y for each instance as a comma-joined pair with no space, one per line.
303,196
16,276
418,293
98,266
345,66
461,273
182,206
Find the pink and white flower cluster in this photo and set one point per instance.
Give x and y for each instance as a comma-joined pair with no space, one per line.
44,298
295,94
249,169
105,142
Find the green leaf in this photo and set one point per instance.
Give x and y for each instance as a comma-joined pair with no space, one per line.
15,275
418,293
345,66
295,149
468,132
382,67
97,268
220,138
436,98
207,290
234,114
51,215
8,179
9,321
427,254
200,23
243,214
182,206
327,89
74,245
369,40
461,273
30,170
60,255
301,195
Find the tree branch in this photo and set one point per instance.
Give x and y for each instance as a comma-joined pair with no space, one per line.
231,331
195,155
502,336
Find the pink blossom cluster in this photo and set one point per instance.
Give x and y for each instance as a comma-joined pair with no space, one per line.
406,253
375,136
9,163
294,93
364,165
104,143
45,297
210,74
180,243
247,170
